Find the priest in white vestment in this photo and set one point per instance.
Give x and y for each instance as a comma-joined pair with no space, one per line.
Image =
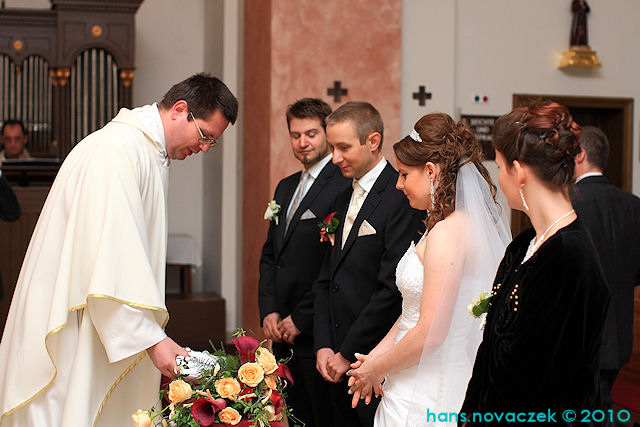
84,341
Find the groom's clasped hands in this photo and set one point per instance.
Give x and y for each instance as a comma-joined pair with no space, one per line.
332,366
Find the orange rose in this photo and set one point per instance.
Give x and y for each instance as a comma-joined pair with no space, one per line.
227,388
142,419
265,359
229,416
271,381
251,374
179,391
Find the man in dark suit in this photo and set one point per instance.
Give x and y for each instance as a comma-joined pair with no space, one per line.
611,217
356,300
9,207
293,254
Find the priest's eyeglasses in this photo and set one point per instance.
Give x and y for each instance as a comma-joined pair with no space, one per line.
203,140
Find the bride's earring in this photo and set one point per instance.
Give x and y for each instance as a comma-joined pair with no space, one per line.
432,191
524,202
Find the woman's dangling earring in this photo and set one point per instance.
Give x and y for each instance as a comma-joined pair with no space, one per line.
524,202
432,191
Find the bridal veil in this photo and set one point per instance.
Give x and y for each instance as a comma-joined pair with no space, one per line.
454,335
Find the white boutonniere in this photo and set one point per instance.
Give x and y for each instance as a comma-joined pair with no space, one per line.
273,209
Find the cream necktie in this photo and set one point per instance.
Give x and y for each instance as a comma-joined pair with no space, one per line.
354,208
297,198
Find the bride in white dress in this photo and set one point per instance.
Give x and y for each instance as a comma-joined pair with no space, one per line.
426,358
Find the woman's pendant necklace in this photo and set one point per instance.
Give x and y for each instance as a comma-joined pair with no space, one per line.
535,243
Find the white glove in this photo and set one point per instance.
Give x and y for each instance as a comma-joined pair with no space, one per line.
197,363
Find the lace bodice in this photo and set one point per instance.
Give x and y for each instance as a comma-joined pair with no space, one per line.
409,276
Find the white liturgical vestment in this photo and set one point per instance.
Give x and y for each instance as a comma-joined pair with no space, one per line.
90,295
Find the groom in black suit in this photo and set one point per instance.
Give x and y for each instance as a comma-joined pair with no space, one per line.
293,253
356,300
611,217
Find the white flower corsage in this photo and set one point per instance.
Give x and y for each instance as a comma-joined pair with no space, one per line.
273,209
479,307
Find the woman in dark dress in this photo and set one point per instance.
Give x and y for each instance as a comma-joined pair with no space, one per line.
541,343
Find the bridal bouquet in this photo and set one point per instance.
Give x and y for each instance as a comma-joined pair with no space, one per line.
243,390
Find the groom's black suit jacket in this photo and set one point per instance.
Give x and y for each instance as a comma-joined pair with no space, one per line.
356,298
290,262
611,216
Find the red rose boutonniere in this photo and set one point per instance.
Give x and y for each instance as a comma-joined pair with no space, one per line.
328,228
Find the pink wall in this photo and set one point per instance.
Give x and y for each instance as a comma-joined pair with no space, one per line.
310,44
256,150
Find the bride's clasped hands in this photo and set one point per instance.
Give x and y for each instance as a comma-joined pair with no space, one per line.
366,378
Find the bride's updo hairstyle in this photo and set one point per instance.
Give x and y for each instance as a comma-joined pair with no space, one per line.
544,137
449,145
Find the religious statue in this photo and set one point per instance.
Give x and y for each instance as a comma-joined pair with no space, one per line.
579,36
579,53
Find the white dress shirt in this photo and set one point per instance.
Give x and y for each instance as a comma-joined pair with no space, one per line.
313,173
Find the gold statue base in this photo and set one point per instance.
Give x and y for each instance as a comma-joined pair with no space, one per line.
579,56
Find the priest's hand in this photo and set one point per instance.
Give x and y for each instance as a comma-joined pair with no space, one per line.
288,329
163,355
270,327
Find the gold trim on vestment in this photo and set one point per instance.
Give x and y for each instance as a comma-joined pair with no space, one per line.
53,331
59,328
126,371
138,359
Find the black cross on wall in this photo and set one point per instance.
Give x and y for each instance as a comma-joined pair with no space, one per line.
422,95
337,91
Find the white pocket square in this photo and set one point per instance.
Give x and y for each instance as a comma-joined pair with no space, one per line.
308,215
366,229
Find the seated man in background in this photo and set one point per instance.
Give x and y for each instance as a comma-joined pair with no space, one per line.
14,139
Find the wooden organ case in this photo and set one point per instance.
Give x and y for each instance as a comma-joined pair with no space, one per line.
66,71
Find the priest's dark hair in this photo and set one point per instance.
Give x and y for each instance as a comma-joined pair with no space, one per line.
308,108
543,136
203,94
596,145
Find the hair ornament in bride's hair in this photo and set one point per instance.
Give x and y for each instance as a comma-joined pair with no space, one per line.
415,136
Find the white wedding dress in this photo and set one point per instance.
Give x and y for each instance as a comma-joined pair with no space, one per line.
431,392
398,387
